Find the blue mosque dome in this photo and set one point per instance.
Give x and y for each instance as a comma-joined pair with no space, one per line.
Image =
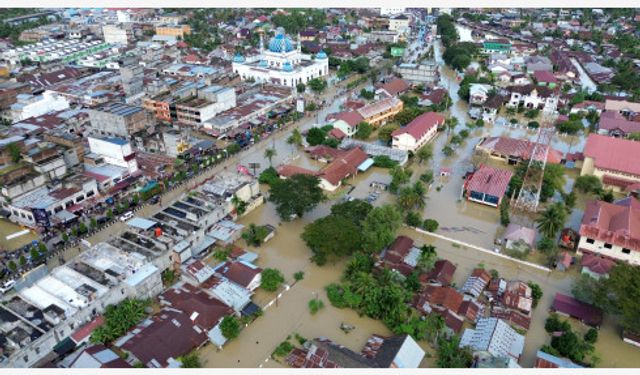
280,43
238,58
321,55
287,67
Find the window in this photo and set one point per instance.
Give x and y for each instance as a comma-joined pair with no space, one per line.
608,246
591,241
626,251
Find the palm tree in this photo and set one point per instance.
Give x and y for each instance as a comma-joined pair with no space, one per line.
363,282
269,154
427,259
552,220
295,138
412,196
434,324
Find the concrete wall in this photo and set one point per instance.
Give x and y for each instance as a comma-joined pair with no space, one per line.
615,252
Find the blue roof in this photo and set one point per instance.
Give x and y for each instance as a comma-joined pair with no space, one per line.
238,58
280,43
141,223
287,67
321,55
365,165
560,362
116,141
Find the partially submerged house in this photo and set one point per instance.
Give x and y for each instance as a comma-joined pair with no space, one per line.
487,185
584,312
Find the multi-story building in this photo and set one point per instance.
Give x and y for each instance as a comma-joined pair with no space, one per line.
117,34
612,230
418,132
208,103
9,92
117,119
282,63
399,23
612,160
116,151
28,105
424,73
176,31
378,113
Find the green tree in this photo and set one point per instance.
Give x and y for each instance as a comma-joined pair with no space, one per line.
230,327
384,132
364,130
413,219
331,236
619,295
298,276
316,136
355,210
315,305
93,223
14,152
295,138
588,184
591,336
504,212
190,360
411,197
255,234
425,153
300,87
239,205
296,195
318,85
269,176
427,259
22,260
119,319
552,220
35,255
13,267
269,154
379,227
536,292
447,151
430,225
271,279
451,356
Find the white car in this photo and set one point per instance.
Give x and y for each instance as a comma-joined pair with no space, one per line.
126,216
7,286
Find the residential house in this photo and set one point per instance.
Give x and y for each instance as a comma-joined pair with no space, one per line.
538,63
401,256
450,304
242,273
611,160
545,78
479,93
160,340
513,150
343,167
346,121
95,356
518,236
624,107
584,312
418,132
394,87
379,352
441,274
476,283
596,266
614,124
487,185
546,360
494,336
502,46
611,230
587,106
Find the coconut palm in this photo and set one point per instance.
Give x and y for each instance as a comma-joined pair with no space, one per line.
412,196
295,138
269,154
362,282
551,220
451,123
427,259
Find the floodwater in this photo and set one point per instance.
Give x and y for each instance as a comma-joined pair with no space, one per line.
8,228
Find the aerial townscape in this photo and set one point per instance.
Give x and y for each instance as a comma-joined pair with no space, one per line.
319,188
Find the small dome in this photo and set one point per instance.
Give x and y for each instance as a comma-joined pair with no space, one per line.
238,58
263,64
280,43
321,55
287,67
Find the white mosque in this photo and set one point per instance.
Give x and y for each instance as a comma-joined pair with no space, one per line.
282,64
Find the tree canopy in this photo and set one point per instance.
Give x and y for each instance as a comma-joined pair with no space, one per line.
296,195
379,227
271,279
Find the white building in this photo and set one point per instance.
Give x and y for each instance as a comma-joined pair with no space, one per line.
116,151
399,23
281,63
28,105
417,133
116,35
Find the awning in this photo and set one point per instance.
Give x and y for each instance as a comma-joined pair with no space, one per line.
141,223
365,165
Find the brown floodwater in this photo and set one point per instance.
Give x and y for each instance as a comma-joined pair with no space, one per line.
8,228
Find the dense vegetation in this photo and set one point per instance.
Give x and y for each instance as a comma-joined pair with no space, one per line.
118,319
296,195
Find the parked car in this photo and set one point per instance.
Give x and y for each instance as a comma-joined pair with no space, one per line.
7,286
126,216
102,220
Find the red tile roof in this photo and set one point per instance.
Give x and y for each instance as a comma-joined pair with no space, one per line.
170,335
85,331
401,245
336,133
287,170
239,273
344,166
489,180
421,125
613,153
614,121
544,76
516,148
352,118
615,223
597,264
396,86
203,309
582,311
444,296
442,272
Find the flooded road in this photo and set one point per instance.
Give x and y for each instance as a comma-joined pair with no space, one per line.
8,228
